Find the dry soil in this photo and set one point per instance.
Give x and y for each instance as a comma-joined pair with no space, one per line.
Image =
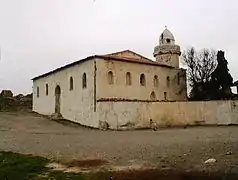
166,149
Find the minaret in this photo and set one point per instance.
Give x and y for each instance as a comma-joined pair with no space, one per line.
167,52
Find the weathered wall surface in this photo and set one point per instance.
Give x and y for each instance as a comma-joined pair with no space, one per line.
76,105
119,89
89,105
118,114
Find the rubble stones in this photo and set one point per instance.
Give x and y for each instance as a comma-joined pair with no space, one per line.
8,102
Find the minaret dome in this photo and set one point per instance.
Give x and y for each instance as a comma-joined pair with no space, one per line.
167,52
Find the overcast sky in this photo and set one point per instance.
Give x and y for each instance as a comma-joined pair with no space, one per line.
39,35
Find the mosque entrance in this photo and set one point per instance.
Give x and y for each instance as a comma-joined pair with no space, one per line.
57,99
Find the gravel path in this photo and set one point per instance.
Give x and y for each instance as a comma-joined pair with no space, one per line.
184,149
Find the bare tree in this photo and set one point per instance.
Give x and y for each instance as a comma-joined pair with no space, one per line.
200,66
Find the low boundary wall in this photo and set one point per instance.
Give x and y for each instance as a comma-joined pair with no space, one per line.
120,114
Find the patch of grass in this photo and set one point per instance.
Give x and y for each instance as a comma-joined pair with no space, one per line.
15,166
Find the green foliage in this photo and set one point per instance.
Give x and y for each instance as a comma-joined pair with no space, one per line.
20,167
221,77
15,166
208,74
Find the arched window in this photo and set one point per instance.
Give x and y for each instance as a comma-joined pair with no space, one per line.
168,81
71,83
46,89
165,95
128,78
38,91
142,80
156,81
84,81
178,76
153,96
110,77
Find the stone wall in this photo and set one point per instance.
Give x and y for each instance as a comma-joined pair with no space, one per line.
139,114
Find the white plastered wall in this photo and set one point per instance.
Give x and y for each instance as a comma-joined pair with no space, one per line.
76,105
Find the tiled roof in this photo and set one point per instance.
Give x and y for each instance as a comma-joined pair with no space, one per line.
134,60
143,60
132,52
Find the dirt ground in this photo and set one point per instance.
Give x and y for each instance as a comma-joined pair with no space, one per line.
166,149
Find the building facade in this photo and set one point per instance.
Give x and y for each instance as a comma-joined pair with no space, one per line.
82,91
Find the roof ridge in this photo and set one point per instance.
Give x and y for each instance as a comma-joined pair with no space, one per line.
118,52
128,50
125,59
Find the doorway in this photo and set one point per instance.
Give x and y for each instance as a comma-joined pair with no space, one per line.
57,99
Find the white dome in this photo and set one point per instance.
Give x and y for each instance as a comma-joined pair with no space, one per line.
166,37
